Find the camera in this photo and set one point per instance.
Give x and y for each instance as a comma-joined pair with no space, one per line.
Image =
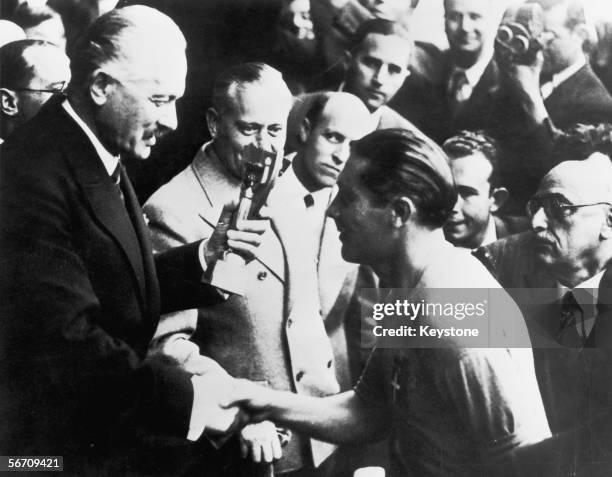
519,40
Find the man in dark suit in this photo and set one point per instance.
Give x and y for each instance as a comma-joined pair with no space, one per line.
559,274
474,161
82,292
459,94
557,89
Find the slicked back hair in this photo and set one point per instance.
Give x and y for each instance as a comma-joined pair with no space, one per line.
466,143
383,27
405,163
235,77
122,40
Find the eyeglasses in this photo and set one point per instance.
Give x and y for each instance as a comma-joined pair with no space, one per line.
556,206
158,100
56,88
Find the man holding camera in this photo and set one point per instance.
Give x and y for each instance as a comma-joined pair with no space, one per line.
546,85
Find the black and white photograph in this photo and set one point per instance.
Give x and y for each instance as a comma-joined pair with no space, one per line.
306,238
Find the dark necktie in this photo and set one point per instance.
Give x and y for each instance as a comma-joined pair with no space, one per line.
571,314
116,178
459,90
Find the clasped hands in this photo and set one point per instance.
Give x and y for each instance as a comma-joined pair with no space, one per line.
231,406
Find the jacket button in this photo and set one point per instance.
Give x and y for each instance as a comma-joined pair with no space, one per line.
329,363
262,275
289,323
299,376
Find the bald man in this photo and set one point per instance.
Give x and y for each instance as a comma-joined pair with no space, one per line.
297,284
32,70
563,266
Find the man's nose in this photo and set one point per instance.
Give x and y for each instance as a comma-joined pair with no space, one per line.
168,118
458,205
539,221
264,141
341,152
466,23
381,75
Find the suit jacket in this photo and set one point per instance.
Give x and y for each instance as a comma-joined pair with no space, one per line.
390,119
509,225
582,98
82,294
576,383
275,332
424,101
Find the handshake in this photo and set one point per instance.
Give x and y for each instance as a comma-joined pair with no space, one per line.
226,405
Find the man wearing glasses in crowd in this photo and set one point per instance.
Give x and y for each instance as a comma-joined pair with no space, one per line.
560,276
32,71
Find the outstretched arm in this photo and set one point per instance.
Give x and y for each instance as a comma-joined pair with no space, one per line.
340,418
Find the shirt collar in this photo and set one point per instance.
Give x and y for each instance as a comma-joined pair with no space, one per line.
475,72
591,284
288,185
561,76
491,233
110,162
376,117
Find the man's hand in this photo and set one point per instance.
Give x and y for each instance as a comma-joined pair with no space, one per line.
522,79
253,398
212,391
261,442
243,239
246,237
523,82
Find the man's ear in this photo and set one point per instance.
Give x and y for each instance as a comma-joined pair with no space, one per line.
606,228
212,121
498,198
305,128
9,103
101,86
582,31
346,59
402,209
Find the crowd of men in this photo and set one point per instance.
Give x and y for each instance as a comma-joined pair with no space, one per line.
205,317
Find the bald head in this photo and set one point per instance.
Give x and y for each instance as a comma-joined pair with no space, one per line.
133,43
585,181
571,216
331,122
10,31
31,71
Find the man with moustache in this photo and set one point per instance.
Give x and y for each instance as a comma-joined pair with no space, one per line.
82,291
288,326
448,411
458,96
559,275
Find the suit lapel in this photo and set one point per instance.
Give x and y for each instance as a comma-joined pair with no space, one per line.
152,301
101,193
